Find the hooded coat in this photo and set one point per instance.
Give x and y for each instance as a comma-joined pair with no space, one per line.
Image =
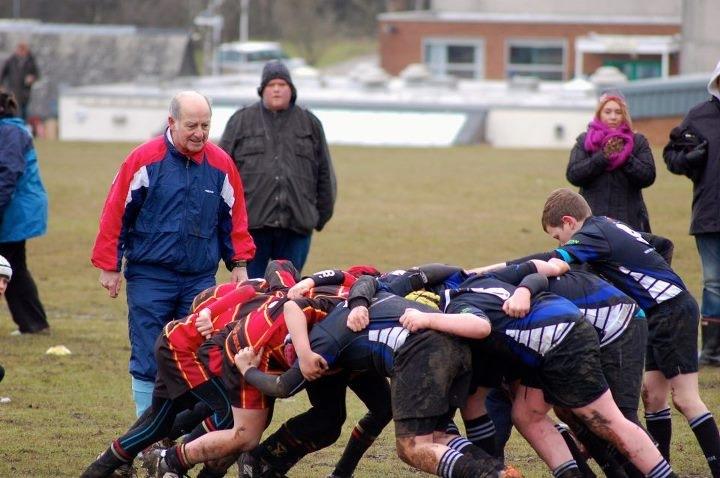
284,162
23,200
703,122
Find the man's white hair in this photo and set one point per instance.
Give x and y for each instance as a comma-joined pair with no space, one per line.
177,99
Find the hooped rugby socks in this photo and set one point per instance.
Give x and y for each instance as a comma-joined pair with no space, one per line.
451,428
659,425
661,470
706,432
481,432
466,447
360,441
574,450
454,464
569,469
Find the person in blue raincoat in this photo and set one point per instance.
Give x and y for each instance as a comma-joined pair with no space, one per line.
23,215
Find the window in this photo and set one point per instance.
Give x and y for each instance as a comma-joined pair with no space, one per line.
637,69
544,59
461,58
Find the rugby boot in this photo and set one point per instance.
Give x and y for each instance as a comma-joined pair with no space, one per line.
104,466
248,466
164,470
209,473
149,456
126,470
511,472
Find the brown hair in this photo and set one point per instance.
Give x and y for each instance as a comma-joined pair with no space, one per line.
564,202
8,103
620,100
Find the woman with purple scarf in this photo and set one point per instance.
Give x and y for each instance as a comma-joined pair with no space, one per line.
611,164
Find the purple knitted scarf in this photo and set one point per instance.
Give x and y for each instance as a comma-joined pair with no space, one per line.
598,134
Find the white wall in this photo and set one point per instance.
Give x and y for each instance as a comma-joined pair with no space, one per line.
585,7
514,128
96,119
701,42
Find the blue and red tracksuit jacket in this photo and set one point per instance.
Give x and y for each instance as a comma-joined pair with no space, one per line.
180,212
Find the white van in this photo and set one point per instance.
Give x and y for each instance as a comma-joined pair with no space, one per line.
250,56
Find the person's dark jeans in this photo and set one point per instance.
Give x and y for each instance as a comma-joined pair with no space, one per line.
22,295
708,246
276,243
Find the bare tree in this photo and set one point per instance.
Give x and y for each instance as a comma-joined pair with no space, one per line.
309,24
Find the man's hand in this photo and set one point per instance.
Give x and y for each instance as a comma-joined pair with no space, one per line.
415,320
358,319
301,289
203,323
111,280
518,305
239,274
247,358
313,366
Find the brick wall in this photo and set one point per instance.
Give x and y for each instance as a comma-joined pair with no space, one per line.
401,41
657,130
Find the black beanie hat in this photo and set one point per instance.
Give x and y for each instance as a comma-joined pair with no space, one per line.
273,70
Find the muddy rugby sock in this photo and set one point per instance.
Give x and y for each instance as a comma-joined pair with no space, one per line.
706,432
481,432
659,425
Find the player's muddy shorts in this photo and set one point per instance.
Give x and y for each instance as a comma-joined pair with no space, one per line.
494,363
623,362
672,336
431,377
570,374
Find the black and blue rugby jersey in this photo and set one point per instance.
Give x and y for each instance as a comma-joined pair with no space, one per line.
606,307
626,259
549,321
369,349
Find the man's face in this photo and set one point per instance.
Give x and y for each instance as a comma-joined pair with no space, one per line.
564,232
3,284
276,95
22,49
190,131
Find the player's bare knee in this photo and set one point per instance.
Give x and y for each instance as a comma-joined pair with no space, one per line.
405,447
653,401
687,403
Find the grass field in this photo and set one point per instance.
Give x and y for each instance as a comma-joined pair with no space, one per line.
396,207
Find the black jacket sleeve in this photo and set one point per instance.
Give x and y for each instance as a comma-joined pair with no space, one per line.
583,167
675,155
640,166
326,183
231,136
